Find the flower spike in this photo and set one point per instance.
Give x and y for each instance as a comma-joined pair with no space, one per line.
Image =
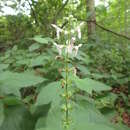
59,48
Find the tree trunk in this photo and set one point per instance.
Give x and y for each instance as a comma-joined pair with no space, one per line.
91,17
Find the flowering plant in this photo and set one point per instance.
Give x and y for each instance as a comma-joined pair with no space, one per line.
70,50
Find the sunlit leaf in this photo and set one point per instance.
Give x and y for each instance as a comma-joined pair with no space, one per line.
89,85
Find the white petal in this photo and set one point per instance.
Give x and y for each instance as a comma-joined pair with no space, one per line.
72,41
55,44
79,45
72,31
67,42
58,34
60,51
73,38
78,29
66,32
69,49
81,24
57,28
70,16
79,33
75,51
59,48
76,48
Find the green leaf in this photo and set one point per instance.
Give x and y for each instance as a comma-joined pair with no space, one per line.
84,70
108,113
108,100
49,39
40,40
11,101
48,94
53,120
121,127
1,113
84,116
99,76
92,126
39,111
85,111
17,118
34,47
89,85
3,66
40,60
11,82
23,62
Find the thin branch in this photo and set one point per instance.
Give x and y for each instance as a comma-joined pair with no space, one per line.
64,24
34,14
60,10
118,34
62,7
108,30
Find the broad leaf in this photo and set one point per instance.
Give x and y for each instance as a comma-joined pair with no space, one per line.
12,100
34,47
92,126
89,85
17,118
3,66
85,117
48,93
11,82
84,70
40,40
40,60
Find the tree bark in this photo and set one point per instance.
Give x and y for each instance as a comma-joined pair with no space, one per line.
90,18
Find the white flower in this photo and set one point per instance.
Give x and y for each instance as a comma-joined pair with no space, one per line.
73,40
67,42
78,30
66,32
70,16
58,30
70,45
69,48
59,48
81,24
72,31
76,48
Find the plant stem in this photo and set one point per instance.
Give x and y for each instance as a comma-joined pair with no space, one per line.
66,88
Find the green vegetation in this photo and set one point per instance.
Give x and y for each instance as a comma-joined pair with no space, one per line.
65,65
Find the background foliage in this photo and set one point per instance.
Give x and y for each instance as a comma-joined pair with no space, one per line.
30,76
